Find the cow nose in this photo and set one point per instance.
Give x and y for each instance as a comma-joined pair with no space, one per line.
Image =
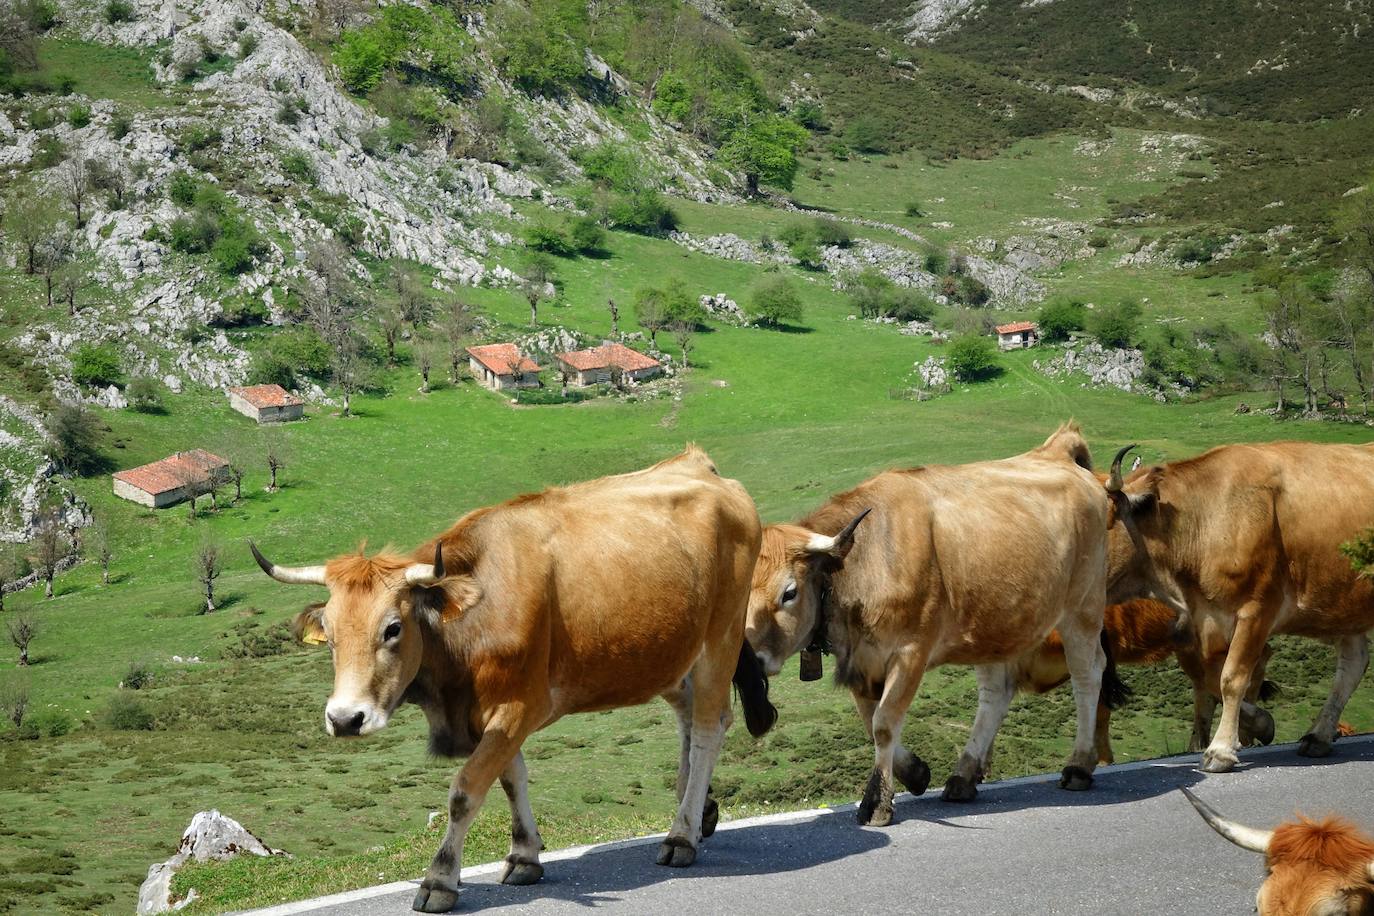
346,723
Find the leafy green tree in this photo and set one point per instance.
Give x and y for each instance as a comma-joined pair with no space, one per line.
764,149
681,307
541,48
96,365
973,358
1059,318
1115,325
776,302
361,60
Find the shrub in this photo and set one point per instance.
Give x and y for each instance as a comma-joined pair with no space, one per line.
200,136
550,238
289,354
237,246
1059,318
586,235
913,210
297,165
126,713
907,304
973,357
775,302
807,253
117,11
144,394
833,232
74,438
194,234
64,83
1115,325
96,364
936,262
138,676
609,165
867,134
79,116
361,60
537,52
49,723
181,188
120,125
644,211
248,43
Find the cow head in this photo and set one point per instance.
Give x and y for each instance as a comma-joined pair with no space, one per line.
790,578
374,624
1134,524
1320,868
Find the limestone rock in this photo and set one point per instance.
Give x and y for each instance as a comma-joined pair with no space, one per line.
210,836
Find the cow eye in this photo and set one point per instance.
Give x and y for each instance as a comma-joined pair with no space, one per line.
789,594
392,631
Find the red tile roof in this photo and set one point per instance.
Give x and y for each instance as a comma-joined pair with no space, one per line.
1016,327
170,472
499,358
607,355
267,396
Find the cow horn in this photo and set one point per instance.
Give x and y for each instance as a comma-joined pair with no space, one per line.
291,575
819,543
1115,483
425,573
1245,837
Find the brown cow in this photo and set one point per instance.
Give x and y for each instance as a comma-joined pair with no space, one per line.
1312,867
1145,632
1244,539
971,564
586,597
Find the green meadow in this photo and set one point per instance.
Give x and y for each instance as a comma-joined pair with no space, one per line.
795,414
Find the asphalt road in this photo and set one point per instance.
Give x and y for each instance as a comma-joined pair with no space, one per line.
1130,845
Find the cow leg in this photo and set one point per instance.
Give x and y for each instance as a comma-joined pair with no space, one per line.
1204,708
996,687
1082,636
522,865
681,702
1247,645
903,678
1102,734
499,744
1352,658
911,771
710,717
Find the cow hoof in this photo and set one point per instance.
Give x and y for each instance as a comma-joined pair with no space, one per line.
434,899
880,816
522,873
1219,761
959,789
915,775
676,853
1310,745
875,809
710,817
1075,779
1263,732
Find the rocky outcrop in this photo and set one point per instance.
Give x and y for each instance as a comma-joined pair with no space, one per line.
210,836
1105,367
722,308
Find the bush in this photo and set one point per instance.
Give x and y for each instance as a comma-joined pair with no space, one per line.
586,235
119,11
807,253
74,439
236,247
1115,325
550,238
96,365
194,234
49,723
181,188
913,210
907,304
120,125
297,165
775,302
144,394
138,676
868,134
361,60
1059,318
287,355
833,232
973,357
644,211
538,52
127,714
936,262
79,116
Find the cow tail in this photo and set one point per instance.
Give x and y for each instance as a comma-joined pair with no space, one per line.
1115,692
751,682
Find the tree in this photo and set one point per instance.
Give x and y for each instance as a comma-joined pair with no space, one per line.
650,311
457,325
348,367
1059,318
49,549
75,182
74,439
1114,326
410,297
101,549
776,301
209,564
193,481
392,323
14,701
237,459
112,178
973,357
424,361
275,455
764,150
30,221
52,256
683,333
22,631
538,281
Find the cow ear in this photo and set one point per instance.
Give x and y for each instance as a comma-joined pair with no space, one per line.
308,627
449,600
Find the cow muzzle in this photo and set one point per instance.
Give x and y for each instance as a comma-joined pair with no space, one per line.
349,720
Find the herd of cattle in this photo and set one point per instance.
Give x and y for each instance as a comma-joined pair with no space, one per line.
1033,569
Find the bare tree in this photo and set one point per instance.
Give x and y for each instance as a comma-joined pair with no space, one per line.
424,361
276,456
14,701
112,178
53,255
392,323
348,368
538,277
233,453
49,549
410,298
18,41
683,335
329,294
193,481
209,564
619,378
457,325
564,377
30,222
22,631
615,317
102,550
75,182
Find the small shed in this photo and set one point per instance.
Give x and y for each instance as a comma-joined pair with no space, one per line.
1018,335
588,367
165,483
266,403
502,366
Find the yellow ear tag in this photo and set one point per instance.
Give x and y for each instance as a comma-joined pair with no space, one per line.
313,640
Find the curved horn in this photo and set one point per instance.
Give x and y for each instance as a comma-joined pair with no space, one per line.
1115,483
291,575
425,573
1250,838
819,543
